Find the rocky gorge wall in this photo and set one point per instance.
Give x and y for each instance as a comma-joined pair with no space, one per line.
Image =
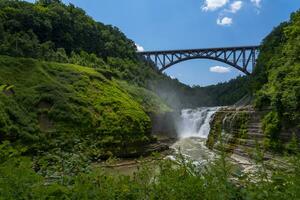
164,124
239,130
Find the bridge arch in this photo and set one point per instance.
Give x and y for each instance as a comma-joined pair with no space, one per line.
204,57
241,58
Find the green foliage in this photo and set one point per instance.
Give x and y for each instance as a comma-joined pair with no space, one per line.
17,179
149,100
67,106
215,129
167,180
269,56
239,122
38,30
293,146
59,166
271,126
180,180
229,92
47,2
277,78
2,87
49,30
7,151
179,95
85,59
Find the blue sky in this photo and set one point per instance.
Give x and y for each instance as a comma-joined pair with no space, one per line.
182,24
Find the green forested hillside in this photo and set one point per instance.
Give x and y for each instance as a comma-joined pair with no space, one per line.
38,30
229,92
277,80
51,105
51,31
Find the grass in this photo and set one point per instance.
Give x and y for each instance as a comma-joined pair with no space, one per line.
67,105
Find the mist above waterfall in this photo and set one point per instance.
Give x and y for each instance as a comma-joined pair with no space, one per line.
195,122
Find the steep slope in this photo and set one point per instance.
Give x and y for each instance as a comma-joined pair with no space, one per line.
277,82
73,107
52,31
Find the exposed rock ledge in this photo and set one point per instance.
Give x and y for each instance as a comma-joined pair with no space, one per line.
241,134
161,145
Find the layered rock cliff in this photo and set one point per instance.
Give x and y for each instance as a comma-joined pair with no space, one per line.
239,131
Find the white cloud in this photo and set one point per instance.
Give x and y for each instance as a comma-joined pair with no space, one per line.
211,5
225,21
236,6
219,69
256,3
139,47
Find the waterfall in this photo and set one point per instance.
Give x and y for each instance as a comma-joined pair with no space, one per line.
193,128
195,122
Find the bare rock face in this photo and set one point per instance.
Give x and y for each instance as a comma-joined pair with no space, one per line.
164,124
145,150
238,130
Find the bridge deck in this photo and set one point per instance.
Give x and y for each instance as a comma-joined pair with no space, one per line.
197,50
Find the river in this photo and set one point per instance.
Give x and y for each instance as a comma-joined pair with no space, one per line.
193,129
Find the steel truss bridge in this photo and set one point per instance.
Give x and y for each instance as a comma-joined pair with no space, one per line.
242,58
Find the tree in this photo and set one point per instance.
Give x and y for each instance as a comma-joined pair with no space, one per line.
47,2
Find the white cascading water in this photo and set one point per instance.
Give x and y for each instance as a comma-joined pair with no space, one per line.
195,122
193,129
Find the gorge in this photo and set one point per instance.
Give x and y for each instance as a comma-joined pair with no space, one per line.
75,95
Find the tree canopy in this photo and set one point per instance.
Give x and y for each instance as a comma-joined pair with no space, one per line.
37,30
276,81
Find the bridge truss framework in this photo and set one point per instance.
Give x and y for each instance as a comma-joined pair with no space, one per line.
242,58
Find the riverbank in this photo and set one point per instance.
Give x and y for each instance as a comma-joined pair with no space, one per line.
131,164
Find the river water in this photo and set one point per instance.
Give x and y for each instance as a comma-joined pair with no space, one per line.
193,129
